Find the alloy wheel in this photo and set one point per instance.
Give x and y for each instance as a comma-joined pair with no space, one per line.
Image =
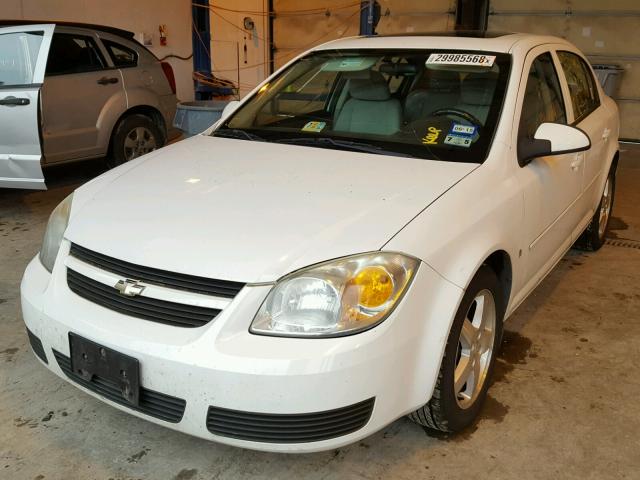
605,207
138,142
475,349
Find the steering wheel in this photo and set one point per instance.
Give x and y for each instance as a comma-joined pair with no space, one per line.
458,113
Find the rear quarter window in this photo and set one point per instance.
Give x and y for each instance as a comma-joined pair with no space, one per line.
121,56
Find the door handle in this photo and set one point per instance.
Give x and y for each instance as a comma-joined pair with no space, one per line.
575,165
107,80
14,101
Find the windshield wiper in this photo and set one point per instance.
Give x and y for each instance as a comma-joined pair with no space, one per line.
328,142
237,133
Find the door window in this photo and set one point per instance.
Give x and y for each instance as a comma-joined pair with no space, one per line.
18,57
543,97
582,87
120,55
71,53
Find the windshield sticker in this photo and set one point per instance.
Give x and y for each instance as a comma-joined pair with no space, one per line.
431,138
458,140
463,129
461,59
314,127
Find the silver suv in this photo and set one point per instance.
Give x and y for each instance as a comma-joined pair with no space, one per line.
72,92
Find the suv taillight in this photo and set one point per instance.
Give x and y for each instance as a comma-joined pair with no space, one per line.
168,72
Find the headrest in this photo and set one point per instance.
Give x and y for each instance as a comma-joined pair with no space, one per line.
374,88
477,89
398,69
443,81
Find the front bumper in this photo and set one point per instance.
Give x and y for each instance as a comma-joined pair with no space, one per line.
224,367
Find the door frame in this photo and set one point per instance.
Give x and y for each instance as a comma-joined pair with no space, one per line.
23,169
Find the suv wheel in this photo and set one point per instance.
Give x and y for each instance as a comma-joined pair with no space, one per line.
134,136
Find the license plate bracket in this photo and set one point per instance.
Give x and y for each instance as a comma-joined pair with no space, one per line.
90,359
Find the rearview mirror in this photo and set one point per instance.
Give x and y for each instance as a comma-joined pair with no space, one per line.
552,139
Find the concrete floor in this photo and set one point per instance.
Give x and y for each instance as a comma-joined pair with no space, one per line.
564,403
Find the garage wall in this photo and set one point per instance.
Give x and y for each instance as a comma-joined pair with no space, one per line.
295,30
242,56
295,33
238,54
409,16
607,32
140,16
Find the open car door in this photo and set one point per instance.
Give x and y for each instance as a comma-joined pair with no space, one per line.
23,58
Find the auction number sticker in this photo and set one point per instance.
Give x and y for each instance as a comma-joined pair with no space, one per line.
461,59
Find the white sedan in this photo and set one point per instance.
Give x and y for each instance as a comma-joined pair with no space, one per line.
339,250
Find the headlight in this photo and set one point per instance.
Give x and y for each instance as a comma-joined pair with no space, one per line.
58,222
336,298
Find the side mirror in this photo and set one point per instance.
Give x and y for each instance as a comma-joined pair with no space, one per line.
229,108
552,139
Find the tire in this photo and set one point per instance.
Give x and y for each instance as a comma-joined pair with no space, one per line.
449,410
134,135
596,233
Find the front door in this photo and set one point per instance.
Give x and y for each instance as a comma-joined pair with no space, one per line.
23,58
552,185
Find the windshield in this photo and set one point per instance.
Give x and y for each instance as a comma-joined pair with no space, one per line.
431,104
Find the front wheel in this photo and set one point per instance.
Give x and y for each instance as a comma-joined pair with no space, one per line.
469,358
134,136
595,235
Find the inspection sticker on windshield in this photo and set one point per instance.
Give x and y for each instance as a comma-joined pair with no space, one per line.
461,59
463,129
314,127
458,140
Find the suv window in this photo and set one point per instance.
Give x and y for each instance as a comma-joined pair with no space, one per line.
120,55
70,53
582,87
18,57
543,97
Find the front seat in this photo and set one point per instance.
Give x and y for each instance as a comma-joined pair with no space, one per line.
370,108
477,94
435,90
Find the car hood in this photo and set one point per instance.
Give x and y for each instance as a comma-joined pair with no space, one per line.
253,211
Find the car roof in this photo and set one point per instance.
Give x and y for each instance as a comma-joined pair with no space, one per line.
453,40
101,28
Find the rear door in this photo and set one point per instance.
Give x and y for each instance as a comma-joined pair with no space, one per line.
589,115
23,58
82,97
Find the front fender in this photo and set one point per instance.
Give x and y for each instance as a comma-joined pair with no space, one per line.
480,215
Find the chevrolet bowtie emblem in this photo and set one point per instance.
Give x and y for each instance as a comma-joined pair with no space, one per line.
129,288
